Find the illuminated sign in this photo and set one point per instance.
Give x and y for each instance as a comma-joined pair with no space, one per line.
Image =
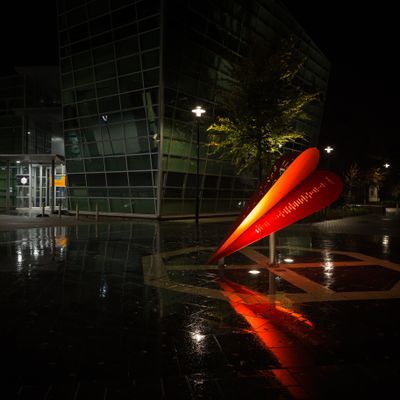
59,181
297,193
22,180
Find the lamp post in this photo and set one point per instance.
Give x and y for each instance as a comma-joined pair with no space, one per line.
329,150
198,111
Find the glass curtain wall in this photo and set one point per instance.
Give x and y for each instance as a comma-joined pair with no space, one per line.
201,39
110,65
110,56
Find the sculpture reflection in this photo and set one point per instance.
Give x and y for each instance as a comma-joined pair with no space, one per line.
275,326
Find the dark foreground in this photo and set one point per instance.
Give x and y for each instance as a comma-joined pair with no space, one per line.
131,311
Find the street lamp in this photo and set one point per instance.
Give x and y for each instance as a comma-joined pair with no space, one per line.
198,111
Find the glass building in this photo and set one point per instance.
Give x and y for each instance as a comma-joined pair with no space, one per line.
132,71
31,138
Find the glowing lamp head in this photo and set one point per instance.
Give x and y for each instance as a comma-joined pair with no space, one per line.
328,149
386,165
198,111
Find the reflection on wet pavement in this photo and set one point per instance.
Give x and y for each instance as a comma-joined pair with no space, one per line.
131,310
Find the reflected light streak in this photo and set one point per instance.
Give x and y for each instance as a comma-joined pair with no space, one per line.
259,303
328,266
385,244
103,289
284,349
20,260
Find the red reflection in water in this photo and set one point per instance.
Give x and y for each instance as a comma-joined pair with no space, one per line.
262,305
264,316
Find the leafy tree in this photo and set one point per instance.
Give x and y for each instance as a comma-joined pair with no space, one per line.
375,176
263,98
353,181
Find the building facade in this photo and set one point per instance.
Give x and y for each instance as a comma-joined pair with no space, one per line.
30,125
132,71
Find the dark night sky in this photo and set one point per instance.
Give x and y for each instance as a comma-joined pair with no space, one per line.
28,34
359,38
360,43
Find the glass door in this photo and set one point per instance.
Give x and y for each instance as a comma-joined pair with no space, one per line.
41,192
34,186
23,185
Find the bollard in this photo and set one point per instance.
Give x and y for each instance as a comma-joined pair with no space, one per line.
221,267
77,211
272,250
97,212
59,210
271,287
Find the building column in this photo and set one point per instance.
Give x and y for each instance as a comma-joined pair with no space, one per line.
8,181
53,187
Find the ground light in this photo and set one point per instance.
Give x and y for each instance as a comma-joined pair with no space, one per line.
288,260
254,271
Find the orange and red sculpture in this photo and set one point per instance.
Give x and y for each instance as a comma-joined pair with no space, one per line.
292,191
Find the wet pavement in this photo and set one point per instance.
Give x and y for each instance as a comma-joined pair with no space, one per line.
130,310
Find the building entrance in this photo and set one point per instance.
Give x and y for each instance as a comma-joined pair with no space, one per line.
32,181
35,186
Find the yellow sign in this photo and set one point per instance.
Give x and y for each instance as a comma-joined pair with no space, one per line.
59,181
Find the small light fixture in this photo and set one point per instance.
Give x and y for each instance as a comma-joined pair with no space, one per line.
28,133
197,337
254,271
104,118
18,162
198,111
386,165
328,149
288,260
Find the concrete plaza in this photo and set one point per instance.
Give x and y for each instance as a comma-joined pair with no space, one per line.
123,309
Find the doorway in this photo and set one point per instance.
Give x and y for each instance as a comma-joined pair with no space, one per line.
34,186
